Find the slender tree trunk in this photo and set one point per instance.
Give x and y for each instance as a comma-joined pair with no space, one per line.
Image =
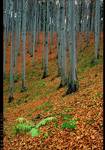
43,35
58,40
63,44
11,57
73,82
5,44
97,28
45,73
34,33
23,44
16,44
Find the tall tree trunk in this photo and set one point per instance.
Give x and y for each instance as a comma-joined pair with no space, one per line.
45,73
43,5
16,42
73,82
63,44
58,39
11,56
97,28
23,45
34,32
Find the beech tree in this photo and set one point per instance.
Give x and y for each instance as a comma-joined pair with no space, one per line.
46,50
26,20
73,81
5,41
63,43
11,54
97,28
24,6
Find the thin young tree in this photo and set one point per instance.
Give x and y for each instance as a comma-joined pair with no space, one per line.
45,67
11,88
34,31
43,29
24,44
4,39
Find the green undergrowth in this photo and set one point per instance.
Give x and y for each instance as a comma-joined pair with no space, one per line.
38,90
71,124
87,61
67,116
29,127
24,126
45,107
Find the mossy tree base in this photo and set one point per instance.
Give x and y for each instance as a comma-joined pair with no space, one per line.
10,99
23,89
16,77
73,87
94,61
62,85
45,75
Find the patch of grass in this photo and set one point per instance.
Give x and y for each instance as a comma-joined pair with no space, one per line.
41,83
51,90
87,61
45,105
37,94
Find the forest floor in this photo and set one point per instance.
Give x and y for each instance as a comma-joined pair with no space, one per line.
43,98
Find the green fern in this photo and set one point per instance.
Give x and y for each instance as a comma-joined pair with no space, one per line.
45,121
69,125
22,128
34,132
66,116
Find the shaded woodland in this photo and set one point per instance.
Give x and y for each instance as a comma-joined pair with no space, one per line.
53,74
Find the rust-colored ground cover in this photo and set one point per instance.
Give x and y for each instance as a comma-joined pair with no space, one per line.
86,104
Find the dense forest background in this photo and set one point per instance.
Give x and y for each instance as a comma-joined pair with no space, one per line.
53,74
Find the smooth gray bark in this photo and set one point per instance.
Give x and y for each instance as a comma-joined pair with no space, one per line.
73,82
97,28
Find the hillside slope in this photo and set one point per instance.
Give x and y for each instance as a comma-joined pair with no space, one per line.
44,99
